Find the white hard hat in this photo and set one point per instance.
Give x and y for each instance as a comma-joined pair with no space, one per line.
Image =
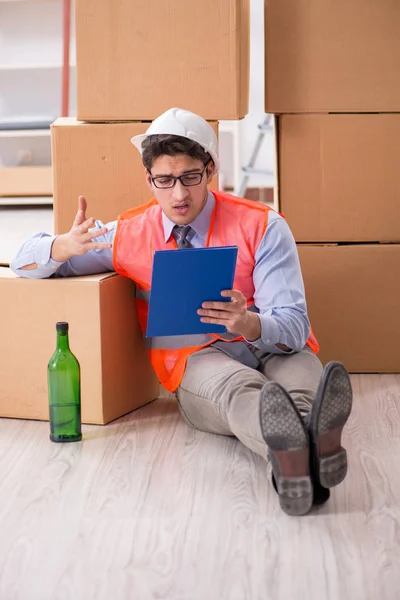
184,123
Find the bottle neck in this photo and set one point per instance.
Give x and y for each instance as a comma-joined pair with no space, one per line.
62,341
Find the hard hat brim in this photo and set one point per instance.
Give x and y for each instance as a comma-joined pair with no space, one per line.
137,141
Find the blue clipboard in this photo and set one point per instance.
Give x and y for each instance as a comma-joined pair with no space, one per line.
181,281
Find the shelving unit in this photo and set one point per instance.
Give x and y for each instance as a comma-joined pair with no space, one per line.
31,59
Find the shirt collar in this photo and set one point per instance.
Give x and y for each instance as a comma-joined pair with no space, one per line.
201,223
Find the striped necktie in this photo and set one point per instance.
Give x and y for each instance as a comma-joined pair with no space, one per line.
180,235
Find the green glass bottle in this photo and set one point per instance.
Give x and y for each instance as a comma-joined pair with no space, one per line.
64,388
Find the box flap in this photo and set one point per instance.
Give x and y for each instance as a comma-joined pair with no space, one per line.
6,273
66,122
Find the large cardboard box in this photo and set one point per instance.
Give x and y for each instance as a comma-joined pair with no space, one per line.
26,181
332,56
137,59
116,375
98,161
353,300
339,177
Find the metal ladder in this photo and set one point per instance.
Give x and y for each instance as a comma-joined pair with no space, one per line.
249,169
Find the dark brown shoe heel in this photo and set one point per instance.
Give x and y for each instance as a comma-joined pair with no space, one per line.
329,414
288,442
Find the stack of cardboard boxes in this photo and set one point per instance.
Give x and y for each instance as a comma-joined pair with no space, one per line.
332,78
135,60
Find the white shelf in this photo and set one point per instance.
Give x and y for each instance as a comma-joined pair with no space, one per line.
29,67
39,119
24,133
26,200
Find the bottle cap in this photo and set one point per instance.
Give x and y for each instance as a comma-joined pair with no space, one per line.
62,327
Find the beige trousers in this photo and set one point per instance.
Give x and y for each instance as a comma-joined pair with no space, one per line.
221,395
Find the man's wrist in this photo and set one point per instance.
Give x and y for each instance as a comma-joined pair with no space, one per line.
58,252
251,329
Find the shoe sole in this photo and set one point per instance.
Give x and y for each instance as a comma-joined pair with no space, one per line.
328,417
288,443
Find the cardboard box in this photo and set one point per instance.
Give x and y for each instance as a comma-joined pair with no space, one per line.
137,59
332,56
98,161
339,177
353,300
26,181
116,375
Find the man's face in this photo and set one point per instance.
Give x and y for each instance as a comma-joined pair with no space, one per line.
180,203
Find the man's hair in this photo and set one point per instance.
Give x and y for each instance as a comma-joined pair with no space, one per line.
157,145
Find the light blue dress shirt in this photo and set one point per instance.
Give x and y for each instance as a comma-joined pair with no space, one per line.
279,290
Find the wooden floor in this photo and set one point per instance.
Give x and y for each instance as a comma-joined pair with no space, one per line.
147,508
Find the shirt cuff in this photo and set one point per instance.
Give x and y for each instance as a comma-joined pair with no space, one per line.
269,336
42,255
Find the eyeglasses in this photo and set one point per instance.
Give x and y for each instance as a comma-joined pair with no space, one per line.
164,182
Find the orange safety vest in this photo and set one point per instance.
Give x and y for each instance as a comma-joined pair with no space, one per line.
140,232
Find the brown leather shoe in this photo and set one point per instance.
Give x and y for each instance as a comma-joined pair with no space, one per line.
287,439
329,414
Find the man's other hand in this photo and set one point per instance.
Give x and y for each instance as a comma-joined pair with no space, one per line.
233,315
79,239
